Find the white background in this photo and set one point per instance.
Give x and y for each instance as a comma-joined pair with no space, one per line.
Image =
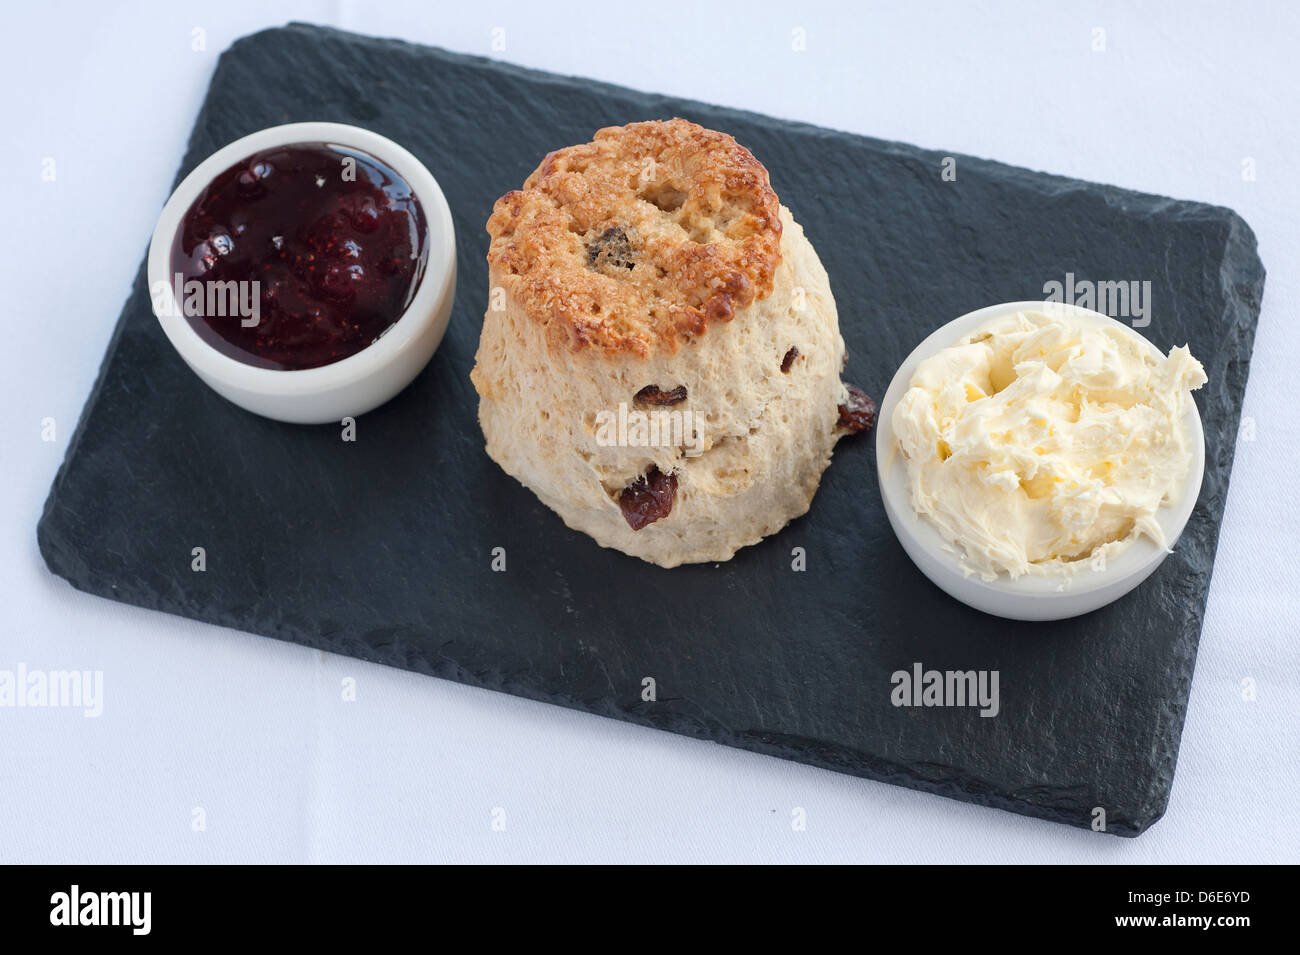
253,731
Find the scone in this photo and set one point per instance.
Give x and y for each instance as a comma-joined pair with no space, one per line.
660,358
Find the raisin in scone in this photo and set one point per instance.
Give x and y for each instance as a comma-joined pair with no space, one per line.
660,358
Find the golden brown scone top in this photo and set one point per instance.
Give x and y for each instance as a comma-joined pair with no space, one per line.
635,242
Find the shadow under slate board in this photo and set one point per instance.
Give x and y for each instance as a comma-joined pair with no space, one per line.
382,548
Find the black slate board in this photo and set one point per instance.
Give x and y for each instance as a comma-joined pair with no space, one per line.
381,548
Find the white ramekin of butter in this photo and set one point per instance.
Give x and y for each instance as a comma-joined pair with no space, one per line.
1039,460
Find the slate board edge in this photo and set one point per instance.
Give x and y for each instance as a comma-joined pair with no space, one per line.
1035,179
1241,297
832,758
1241,247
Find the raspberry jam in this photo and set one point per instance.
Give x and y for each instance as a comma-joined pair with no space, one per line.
334,239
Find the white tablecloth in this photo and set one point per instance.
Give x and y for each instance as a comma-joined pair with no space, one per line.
215,745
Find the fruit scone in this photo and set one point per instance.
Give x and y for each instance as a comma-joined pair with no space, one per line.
660,358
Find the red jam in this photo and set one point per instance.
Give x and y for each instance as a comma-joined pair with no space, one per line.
334,239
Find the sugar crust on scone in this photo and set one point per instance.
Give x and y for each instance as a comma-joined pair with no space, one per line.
634,243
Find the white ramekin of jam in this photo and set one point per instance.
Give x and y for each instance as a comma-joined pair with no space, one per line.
305,272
